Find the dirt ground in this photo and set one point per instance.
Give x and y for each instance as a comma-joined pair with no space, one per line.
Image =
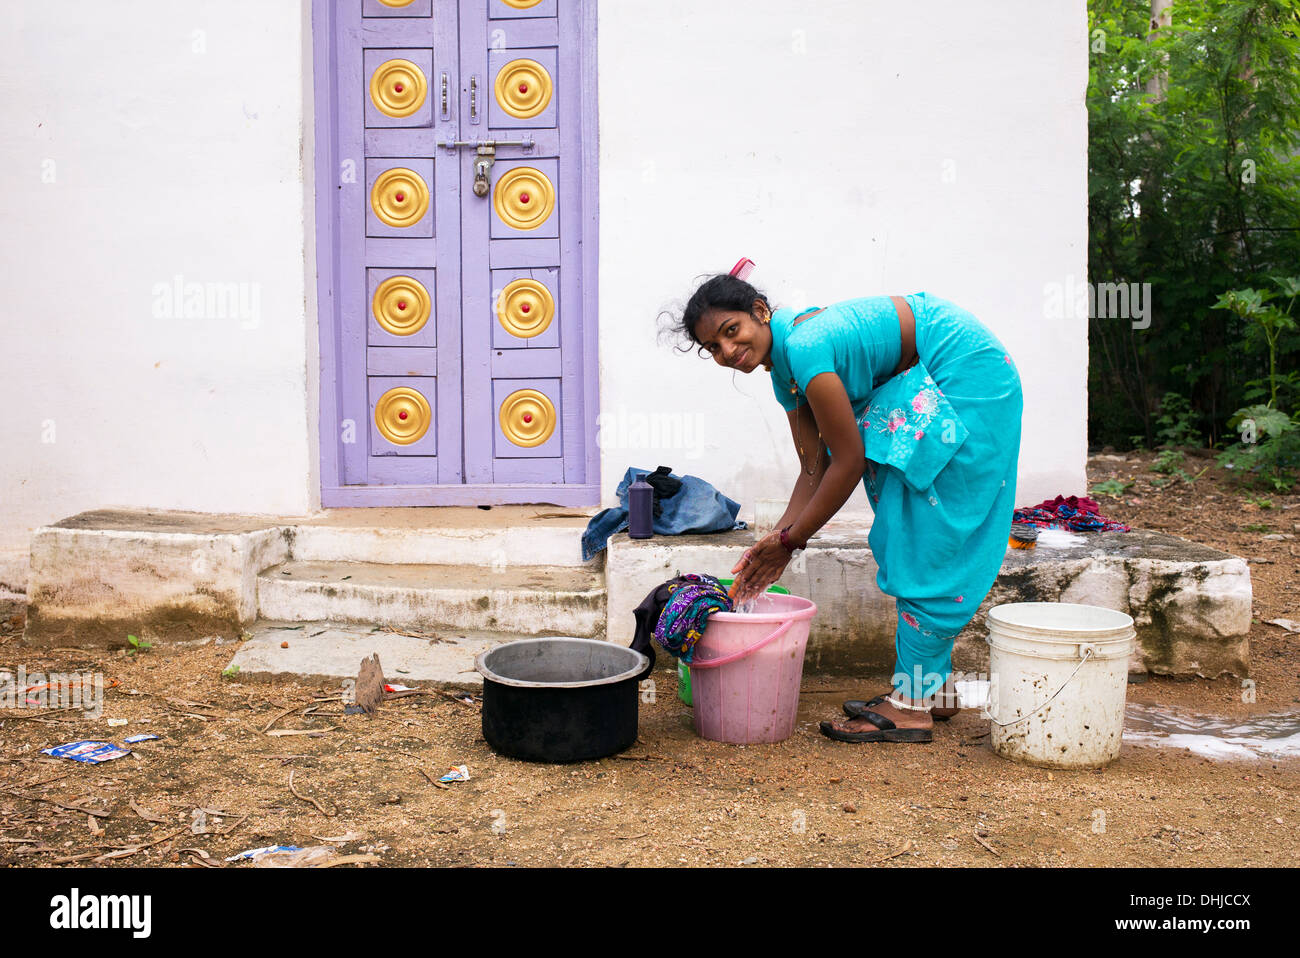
365,784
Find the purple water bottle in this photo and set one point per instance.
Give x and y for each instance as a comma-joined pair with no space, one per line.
640,505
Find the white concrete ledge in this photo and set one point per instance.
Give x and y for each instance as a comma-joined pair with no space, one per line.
1190,603
94,587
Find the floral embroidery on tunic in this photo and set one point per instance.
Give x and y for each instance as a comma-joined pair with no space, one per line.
896,427
911,620
924,405
925,402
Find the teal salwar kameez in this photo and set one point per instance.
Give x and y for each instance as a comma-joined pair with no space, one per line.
941,439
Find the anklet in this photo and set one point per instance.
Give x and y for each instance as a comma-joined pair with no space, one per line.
907,708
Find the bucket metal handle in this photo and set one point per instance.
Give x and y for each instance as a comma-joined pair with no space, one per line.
1086,651
781,630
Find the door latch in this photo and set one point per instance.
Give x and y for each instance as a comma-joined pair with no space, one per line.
485,156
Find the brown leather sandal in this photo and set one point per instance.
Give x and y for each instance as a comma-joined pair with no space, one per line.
885,731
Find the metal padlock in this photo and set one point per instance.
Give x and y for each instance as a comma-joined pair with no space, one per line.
482,167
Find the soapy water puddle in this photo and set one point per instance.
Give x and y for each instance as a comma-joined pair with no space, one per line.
1261,737
1272,736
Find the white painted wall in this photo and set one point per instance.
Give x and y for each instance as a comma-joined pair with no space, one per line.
815,138
143,141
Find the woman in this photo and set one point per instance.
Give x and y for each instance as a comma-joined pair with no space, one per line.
915,397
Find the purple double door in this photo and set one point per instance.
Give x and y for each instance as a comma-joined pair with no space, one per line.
456,251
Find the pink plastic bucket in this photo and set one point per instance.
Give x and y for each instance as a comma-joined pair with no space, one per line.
746,671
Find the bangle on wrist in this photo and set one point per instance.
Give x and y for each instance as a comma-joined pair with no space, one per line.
786,542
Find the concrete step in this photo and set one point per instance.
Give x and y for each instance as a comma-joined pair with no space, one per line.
180,576
496,538
520,600
332,651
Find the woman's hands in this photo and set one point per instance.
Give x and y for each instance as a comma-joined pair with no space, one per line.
827,417
759,567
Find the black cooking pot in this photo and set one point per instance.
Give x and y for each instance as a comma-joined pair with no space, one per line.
560,699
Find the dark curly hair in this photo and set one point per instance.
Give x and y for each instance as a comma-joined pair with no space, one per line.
717,292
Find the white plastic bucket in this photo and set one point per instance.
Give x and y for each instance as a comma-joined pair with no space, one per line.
1058,677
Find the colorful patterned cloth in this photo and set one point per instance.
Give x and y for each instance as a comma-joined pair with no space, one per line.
683,619
1077,513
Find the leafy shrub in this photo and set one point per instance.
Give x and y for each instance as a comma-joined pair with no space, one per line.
1269,450
1111,487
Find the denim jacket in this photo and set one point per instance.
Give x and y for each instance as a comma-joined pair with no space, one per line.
697,507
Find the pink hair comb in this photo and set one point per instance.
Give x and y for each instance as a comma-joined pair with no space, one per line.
743,268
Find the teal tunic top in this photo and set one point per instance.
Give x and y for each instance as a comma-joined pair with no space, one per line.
905,420
857,339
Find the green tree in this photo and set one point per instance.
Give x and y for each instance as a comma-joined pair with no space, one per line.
1194,187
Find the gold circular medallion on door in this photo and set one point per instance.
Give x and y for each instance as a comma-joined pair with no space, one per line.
527,417
524,198
523,88
525,308
400,197
401,305
402,415
398,88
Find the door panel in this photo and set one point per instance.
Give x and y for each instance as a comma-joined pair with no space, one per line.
527,424
405,413
454,353
409,259
403,307
399,93
526,306
523,89
390,361
400,192
525,199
